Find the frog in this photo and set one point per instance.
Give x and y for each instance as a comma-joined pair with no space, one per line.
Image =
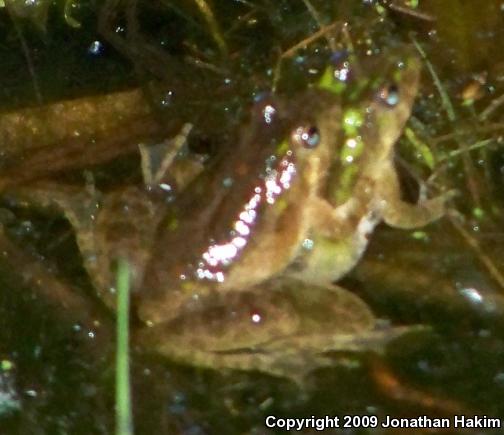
237,269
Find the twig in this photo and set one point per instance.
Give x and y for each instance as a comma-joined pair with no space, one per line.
29,62
307,41
447,105
412,12
492,107
475,246
316,16
213,25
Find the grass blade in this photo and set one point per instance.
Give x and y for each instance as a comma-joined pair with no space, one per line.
124,421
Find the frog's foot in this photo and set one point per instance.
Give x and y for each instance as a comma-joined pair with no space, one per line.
401,214
286,331
79,206
163,162
327,350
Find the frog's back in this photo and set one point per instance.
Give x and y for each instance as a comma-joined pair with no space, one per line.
241,221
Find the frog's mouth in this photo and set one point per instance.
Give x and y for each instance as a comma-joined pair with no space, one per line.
390,108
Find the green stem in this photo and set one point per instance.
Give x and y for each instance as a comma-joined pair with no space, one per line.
124,425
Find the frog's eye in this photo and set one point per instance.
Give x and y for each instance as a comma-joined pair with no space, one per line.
389,95
308,137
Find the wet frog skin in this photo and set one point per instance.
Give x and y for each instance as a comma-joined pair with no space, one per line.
237,272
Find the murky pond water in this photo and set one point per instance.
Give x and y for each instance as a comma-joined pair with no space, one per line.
80,93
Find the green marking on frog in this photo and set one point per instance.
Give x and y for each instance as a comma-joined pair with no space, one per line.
329,83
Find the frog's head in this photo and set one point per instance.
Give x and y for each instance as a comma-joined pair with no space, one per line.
385,102
347,125
377,97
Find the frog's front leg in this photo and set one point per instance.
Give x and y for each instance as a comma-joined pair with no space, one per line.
400,214
336,240
285,329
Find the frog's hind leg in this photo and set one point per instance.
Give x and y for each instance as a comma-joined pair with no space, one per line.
287,330
400,214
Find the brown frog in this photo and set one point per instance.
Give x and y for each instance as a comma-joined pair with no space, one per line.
237,271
